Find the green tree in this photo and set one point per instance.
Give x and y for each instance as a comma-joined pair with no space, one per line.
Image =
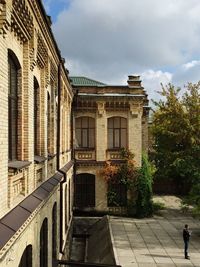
144,204
176,131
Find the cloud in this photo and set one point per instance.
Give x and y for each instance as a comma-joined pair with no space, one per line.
152,82
191,64
188,72
110,39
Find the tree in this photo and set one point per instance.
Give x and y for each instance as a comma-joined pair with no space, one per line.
144,204
176,131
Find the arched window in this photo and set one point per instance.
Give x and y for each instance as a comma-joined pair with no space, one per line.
13,72
44,244
117,132
26,259
54,232
85,132
85,190
36,116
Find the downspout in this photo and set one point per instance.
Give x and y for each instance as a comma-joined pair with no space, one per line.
58,158
74,105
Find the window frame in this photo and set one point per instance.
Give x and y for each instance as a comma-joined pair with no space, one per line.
13,107
85,132
115,130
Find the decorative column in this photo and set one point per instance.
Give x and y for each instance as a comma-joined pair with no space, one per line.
101,132
135,131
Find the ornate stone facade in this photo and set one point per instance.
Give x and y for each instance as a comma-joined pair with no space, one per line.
36,175
120,116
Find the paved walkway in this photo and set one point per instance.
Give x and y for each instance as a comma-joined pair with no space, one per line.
155,241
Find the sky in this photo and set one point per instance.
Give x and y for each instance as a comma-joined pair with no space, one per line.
107,40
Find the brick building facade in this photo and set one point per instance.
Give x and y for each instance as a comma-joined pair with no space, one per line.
48,121
107,118
36,169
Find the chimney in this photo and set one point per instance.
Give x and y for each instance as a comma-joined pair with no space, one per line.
134,80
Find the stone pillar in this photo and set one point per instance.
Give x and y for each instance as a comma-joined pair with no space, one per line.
135,132
101,132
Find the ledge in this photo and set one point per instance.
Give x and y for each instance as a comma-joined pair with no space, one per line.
51,156
17,165
15,218
39,159
85,149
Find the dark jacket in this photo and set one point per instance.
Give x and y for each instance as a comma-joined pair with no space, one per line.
186,235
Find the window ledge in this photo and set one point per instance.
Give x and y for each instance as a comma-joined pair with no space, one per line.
114,149
39,159
84,149
17,164
51,156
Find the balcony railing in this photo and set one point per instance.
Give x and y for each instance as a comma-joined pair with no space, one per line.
85,154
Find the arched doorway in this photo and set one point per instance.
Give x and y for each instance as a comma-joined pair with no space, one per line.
84,190
26,259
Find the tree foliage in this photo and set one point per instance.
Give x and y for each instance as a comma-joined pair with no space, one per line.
144,204
137,181
176,131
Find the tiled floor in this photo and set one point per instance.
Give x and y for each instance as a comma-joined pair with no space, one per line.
155,242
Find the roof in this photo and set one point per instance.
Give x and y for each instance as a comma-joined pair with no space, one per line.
84,81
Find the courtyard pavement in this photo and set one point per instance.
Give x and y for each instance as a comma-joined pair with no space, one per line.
155,241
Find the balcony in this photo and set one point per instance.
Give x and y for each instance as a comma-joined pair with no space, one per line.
113,154
85,154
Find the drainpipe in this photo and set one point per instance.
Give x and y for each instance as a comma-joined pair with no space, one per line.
73,109
58,158
61,209
58,119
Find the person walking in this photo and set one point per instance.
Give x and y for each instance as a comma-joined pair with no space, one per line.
186,239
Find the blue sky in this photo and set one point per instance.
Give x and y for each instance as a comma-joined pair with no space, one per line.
53,8
108,40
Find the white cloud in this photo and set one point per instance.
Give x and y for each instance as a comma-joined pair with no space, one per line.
152,82
191,64
110,39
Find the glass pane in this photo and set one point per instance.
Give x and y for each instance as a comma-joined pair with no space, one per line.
84,122
116,138
123,138
91,138
78,137
116,122
91,123
110,123
110,138
84,138
78,123
123,123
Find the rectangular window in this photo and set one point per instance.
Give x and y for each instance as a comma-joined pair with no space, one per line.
85,132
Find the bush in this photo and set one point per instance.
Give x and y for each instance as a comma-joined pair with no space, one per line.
157,207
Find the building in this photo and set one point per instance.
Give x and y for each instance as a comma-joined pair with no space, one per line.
107,118
54,130
36,170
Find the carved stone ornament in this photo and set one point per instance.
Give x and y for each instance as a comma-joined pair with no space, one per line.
21,21
101,108
33,51
53,71
42,51
135,109
4,20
